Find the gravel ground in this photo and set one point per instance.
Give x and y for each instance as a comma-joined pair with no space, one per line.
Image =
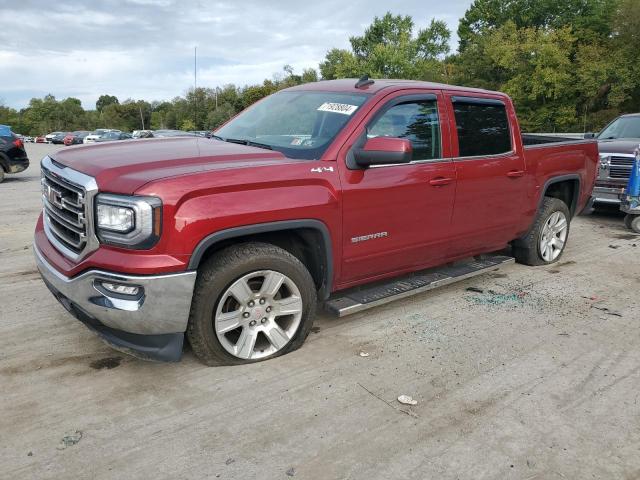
537,377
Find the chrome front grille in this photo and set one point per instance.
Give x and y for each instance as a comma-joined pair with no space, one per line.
620,167
68,209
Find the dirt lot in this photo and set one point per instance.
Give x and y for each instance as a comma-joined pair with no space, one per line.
536,378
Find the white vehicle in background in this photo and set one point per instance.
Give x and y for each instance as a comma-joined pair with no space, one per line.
49,138
97,134
141,133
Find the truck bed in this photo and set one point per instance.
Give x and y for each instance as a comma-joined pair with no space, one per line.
531,139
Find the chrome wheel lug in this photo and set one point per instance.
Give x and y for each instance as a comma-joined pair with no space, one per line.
246,315
268,309
251,303
264,320
252,323
262,300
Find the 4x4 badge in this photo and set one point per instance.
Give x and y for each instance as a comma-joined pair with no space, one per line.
322,169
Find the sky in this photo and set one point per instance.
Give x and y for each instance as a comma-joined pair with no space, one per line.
144,49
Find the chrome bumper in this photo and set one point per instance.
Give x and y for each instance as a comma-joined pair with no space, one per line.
607,195
161,307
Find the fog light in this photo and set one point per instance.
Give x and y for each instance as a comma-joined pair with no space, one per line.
120,289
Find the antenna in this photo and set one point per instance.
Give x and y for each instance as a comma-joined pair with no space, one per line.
364,82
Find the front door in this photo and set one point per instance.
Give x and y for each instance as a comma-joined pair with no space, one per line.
397,217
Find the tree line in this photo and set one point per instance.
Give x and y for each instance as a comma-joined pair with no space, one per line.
568,65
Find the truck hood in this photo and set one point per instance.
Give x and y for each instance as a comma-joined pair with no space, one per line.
620,145
124,167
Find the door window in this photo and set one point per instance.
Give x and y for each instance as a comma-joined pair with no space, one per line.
415,121
483,128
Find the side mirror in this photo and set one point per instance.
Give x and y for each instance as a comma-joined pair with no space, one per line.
590,135
382,151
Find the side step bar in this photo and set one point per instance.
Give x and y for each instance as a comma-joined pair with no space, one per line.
362,298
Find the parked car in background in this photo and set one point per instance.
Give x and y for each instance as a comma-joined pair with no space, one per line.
617,144
111,136
27,139
49,137
13,157
40,139
172,133
75,138
93,136
59,138
141,133
312,191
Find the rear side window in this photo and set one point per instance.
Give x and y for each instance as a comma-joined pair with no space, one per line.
483,127
415,121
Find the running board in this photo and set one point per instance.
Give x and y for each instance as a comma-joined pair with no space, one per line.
362,298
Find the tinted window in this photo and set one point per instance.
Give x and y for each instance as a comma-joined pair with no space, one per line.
483,129
415,121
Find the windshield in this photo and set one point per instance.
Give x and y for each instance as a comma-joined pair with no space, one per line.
298,124
623,127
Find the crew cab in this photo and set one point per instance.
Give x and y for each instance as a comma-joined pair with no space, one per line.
326,191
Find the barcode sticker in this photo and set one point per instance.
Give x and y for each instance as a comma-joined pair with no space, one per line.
343,108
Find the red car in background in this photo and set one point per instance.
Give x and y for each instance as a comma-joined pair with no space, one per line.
75,138
40,139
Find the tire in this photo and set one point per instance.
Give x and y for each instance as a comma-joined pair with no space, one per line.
216,307
1,174
632,222
528,250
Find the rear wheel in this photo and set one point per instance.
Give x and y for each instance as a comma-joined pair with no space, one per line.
546,241
251,302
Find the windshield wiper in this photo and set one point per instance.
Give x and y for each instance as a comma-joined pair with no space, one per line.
249,143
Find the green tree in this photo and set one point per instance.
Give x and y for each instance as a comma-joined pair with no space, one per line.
105,101
389,49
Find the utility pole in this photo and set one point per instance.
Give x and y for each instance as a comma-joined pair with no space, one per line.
195,86
141,116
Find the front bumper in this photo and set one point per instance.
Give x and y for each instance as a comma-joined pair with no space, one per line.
149,325
609,195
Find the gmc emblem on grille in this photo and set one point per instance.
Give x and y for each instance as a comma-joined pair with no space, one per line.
53,196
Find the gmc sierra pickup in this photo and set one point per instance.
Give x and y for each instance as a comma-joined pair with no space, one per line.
351,192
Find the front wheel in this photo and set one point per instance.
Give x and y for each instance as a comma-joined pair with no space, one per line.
632,222
251,302
546,241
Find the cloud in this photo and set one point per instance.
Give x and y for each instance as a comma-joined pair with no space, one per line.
143,49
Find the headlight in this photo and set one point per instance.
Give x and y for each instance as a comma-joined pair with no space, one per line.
128,221
604,158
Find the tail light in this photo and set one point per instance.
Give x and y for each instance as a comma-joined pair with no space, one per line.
18,143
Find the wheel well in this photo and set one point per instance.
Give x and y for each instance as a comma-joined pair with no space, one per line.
306,244
565,190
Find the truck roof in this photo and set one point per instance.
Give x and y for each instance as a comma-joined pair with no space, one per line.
348,85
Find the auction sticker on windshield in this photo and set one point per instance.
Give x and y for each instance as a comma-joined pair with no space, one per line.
343,108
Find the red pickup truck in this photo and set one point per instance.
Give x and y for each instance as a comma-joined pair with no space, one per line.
349,192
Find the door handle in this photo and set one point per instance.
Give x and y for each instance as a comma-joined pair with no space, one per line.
440,181
515,174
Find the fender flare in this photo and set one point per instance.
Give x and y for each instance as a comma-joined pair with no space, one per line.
558,179
241,231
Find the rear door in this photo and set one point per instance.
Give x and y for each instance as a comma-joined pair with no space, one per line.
490,172
396,217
